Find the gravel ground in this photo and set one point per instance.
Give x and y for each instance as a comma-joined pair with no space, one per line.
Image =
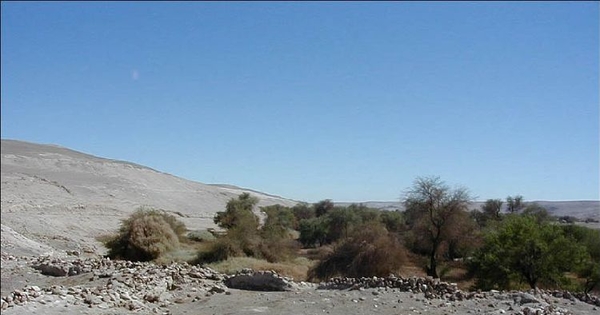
308,301
203,291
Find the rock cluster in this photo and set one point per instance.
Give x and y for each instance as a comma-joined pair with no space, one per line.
248,279
131,285
432,288
590,299
436,289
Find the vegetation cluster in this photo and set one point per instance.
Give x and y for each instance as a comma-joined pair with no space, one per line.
506,244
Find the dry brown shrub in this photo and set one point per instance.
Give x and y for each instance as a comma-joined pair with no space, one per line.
318,253
153,235
278,250
145,235
371,251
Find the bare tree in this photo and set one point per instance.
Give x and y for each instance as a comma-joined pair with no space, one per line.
432,207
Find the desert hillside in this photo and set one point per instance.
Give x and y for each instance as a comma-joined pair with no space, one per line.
54,197
57,198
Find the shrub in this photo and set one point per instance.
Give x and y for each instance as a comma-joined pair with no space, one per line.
145,235
201,236
220,250
525,250
244,238
278,250
370,251
393,220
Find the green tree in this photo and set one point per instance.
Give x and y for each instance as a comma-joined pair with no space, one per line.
238,213
323,206
492,209
365,213
340,222
514,204
279,220
525,250
431,206
302,211
272,241
538,212
242,236
313,231
589,270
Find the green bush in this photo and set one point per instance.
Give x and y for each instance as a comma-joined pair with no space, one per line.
272,241
524,250
589,268
145,236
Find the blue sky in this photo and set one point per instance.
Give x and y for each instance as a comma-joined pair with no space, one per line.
349,101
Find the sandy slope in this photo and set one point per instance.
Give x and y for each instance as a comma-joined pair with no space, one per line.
62,198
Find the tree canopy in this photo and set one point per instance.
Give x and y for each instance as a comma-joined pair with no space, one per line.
525,250
432,209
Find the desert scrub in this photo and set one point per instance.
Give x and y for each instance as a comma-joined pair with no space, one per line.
200,236
145,235
369,251
218,250
245,237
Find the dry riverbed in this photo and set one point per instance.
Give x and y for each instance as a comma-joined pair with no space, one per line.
72,285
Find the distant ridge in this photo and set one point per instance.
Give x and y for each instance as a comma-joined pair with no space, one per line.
245,189
30,147
581,209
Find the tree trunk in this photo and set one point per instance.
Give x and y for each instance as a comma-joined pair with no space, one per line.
432,270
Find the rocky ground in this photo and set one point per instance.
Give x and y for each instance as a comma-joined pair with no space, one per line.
71,284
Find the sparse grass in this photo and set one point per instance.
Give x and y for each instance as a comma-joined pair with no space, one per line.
186,252
179,255
316,253
455,271
296,268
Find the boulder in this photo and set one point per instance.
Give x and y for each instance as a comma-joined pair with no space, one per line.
259,281
52,270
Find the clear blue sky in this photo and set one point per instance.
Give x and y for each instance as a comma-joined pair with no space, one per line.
343,100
